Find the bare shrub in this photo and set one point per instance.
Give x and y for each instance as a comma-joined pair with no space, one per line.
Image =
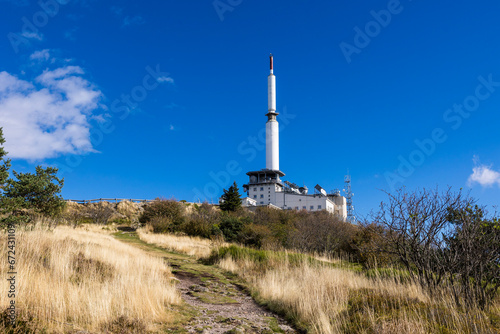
279,222
444,240
159,224
130,210
368,247
25,322
201,221
75,214
124,325
473,255
320,232
99,213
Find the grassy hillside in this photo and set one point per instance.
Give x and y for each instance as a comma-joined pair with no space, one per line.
322,295
84,279
79,279
333,298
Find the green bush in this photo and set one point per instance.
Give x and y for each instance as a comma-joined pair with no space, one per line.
163,215
239,253
202,222
161,224
215,231
121,221
368,247
197,227
231,227
263,258
254,235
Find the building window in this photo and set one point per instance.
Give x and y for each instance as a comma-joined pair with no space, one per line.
319,207
261,188
312,207
255,189
261,196
296,208
304,207
261,202
254,196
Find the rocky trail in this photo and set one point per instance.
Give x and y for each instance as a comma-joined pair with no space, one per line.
215,302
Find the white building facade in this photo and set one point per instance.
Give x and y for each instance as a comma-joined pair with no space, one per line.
266,188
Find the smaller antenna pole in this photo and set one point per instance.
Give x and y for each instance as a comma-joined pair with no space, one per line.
351,218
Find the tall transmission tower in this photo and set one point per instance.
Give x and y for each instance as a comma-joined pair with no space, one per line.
349,195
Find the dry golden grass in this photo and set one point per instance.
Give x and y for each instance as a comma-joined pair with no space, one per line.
326,299
73,279
193,246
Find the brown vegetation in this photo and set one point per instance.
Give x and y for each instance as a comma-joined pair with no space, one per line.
193,246
420,266
444,240
325,298
72,279
103,212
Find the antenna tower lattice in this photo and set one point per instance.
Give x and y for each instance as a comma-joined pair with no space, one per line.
349,195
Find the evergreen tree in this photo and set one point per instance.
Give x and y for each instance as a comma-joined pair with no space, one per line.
37,191
8,206
4,164
231,199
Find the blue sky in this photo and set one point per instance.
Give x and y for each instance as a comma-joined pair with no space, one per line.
167,98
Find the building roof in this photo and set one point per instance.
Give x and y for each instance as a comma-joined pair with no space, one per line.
266,171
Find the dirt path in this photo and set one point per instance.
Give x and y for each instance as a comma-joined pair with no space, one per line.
224,307
215,302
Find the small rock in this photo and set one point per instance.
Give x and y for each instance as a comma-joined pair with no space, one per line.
198,288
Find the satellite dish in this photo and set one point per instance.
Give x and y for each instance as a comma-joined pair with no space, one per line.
320,190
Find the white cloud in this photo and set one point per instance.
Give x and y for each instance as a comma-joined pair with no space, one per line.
165,79
43,55
485,176
32,35
48,116
172,127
